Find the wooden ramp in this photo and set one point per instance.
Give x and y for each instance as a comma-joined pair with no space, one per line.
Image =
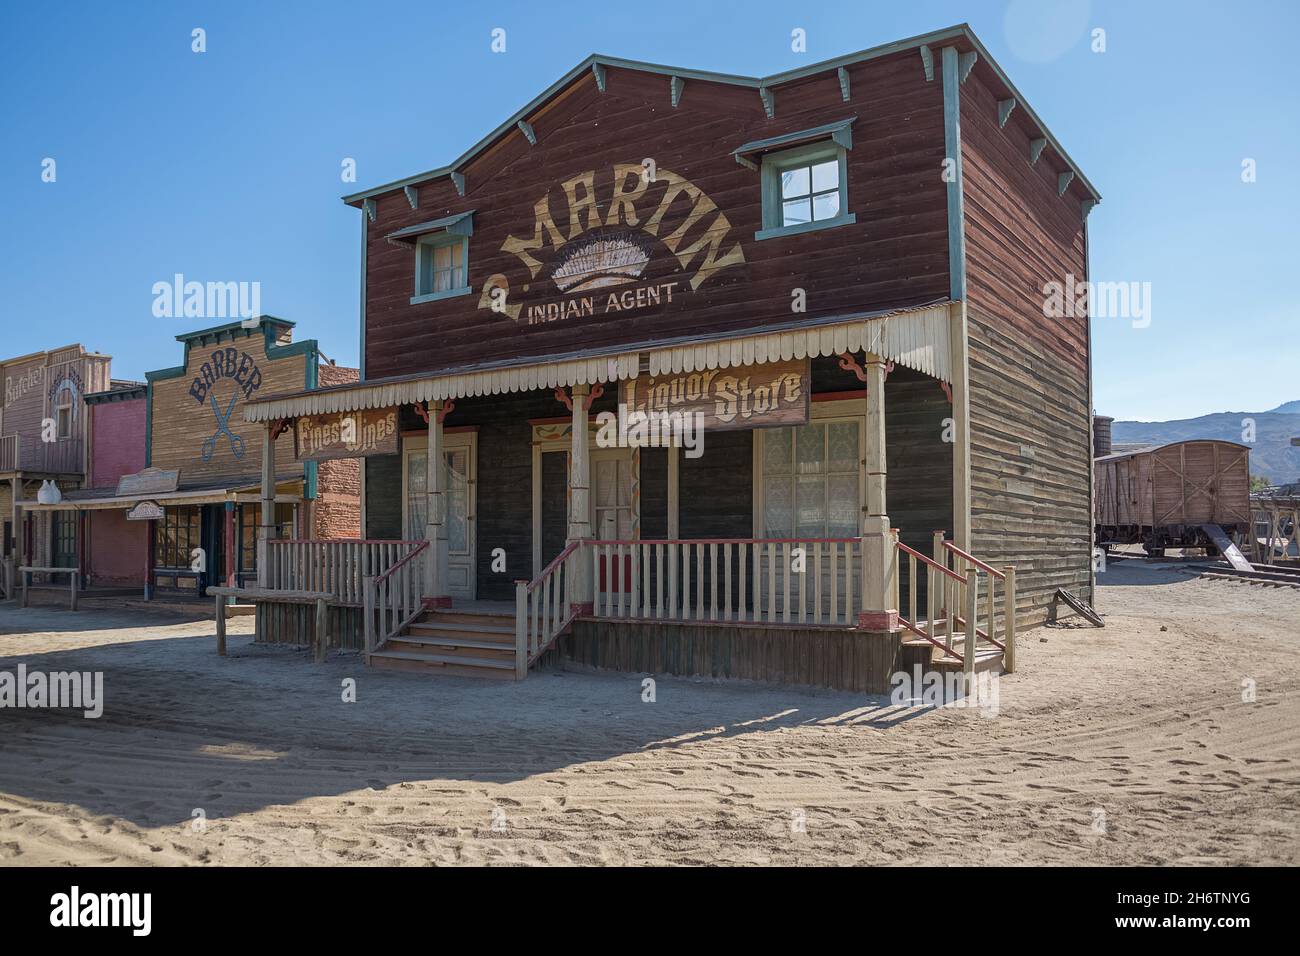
1226,547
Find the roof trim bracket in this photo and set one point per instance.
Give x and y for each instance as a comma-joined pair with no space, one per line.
769,101
412,196
966,63
675,86
526,128
458,180
1063,181
1005,109
844,83
927,61
370,207
1036,149
598,71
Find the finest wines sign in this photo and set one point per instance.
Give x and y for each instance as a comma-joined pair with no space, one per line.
750,396
346,435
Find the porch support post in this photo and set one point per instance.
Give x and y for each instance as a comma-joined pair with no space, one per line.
267,521
580,500
674,475
435,529
877,612
230,545
958,348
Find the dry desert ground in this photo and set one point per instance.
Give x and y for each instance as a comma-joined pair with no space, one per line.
1126,745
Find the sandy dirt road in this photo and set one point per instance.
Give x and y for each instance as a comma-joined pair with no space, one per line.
1128,745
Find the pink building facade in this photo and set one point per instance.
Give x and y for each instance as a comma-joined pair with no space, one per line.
116,552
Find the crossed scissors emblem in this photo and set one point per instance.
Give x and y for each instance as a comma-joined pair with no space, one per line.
223,428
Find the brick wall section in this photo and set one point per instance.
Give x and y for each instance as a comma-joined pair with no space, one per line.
117,441
336,512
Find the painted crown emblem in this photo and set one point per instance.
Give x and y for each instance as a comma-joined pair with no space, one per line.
601,260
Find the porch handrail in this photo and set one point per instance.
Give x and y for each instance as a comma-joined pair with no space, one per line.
544,607
952,601
336,565
971,559
394,598
788,581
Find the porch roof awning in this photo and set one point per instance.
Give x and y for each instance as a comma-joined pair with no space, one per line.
461,224
287,489
841,132
916,336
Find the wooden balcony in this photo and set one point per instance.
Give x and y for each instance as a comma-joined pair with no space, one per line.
24,453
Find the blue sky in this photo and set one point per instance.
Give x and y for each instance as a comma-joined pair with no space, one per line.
225,165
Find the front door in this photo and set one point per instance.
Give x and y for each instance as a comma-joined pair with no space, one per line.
460,455
612,511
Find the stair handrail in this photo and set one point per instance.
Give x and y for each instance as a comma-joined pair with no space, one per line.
966,556
394,612
544,608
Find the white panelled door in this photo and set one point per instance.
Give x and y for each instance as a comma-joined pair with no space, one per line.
460,454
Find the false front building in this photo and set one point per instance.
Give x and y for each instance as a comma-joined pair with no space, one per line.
828,284
174,505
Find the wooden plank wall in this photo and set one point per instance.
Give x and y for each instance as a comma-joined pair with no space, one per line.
839,659
895,254
180,424
296,624
1031,444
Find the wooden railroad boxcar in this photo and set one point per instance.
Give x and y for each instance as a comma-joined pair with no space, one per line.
1161,496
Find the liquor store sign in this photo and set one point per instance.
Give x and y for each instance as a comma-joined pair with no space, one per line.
346,434
749,396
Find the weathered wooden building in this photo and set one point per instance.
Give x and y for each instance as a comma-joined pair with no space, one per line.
840,272
175,502
43,438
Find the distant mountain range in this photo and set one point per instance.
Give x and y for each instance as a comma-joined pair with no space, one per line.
1271,454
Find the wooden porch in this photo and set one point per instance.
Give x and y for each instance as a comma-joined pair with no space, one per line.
794,610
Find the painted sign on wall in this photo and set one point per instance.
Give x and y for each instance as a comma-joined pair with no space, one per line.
346,434
750,396
197,413
659,237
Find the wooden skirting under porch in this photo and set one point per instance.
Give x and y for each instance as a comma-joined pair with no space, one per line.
837,658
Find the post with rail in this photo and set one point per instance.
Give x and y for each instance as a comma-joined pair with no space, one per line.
878,612
1009,619
935,584
972,609
584,578
435,529
521,630
266,518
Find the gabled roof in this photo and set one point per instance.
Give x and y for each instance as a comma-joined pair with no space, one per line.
596,62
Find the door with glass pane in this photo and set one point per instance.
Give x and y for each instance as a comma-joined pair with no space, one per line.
612,511
460,457
811,487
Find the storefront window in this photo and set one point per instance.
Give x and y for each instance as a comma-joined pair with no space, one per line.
178,534
810,481
250,520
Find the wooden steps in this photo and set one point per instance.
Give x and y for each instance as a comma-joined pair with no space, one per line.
988,657
449,641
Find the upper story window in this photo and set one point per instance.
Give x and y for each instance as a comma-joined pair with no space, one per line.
440,265
441,256
805,181
810,192
64,421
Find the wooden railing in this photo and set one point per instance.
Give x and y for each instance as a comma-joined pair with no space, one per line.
62,456
811,581
337,566
395,598
544,607
952,601
9,456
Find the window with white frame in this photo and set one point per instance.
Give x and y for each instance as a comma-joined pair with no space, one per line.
440,267
804,189
810,480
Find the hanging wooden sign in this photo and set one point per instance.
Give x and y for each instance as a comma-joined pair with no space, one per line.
346,434
748,396
145,511
150,481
